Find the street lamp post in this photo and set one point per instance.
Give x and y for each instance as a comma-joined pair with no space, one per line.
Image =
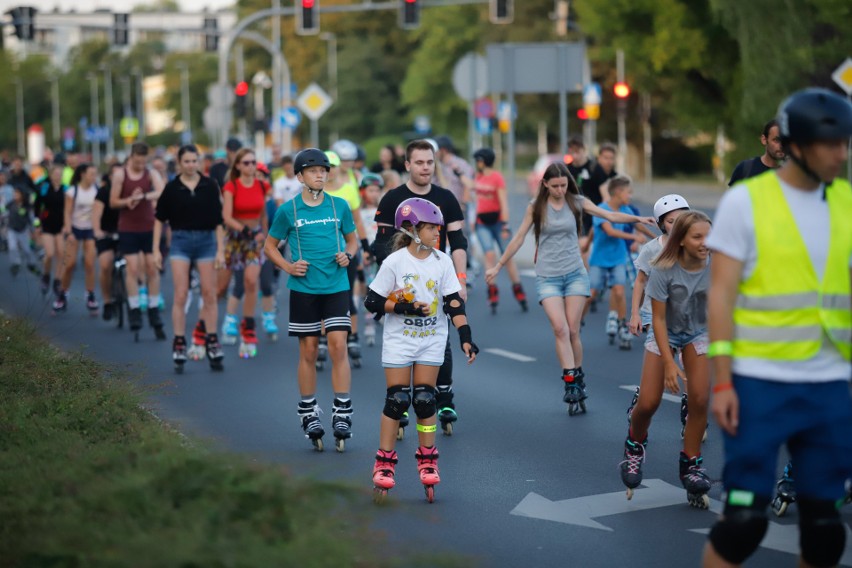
186,135
54,95
108,115
19,93
95,106
332,75
140,102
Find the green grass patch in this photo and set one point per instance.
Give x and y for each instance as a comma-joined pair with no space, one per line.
89,478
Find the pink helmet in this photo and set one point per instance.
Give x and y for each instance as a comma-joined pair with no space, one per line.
416,210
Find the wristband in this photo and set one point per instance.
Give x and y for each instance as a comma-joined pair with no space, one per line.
461,275
720,348
406,308
465,335
365,245
722,387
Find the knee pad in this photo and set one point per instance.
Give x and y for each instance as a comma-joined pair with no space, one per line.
738,533
821,533
397,402
425,404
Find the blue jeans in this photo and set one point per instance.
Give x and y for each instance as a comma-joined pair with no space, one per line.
489,237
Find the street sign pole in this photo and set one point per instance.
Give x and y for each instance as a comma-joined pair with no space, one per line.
843,77
315,133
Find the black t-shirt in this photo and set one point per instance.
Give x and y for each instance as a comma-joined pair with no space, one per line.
748,169
581,174
219,171
186,210
386,212
109,218
591,189
50,207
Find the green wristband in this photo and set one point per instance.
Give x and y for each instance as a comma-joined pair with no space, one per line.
720,349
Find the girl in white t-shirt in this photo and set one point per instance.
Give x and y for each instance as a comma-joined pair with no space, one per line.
416,286
78,229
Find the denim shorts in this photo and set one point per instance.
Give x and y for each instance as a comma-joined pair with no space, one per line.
199,246
489,237
574,283
602,278
404,365
83,234
679,341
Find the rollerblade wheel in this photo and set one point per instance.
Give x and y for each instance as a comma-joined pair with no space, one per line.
356,363
379,495
317,442
135,337
447,427
524,306
400,434
611,339
779,506
629,493
583,406
699,500
430,493
319,365
179,368
217,366
340,444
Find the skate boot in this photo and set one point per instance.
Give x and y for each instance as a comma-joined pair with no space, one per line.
427,464
520,296
269,326
493,297
322,352
370,333
694,478
575,392
92,304
612,326
179,354
143,297
785,493
383,474
248,339
156,323
45,284
198,348
215,355
230,330
632,405
403,422
109,311
60,303
341,422
447,414
311,425
134,319
625,338
684,414
631,467
354,349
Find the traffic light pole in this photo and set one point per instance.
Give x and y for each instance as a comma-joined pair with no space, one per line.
621,160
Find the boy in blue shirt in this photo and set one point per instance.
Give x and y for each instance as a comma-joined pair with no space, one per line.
321,234
610,259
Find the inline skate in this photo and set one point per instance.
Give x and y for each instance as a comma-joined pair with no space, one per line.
447,414
156,323
45,284
215,355
785,492
134,321
383,474
248,339
684,414
625,338
575,391
92,304
493,297
60,303
632,405
309,416
403,422
520,296
695,480
269,326
143,296
354,349
427,465
197,350
179,354
370,332
230,329
612,326
631,466
322,353
341,422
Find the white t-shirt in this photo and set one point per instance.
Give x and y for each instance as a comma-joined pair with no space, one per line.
733,234
408,339
84,203
368,218
286,188
647,254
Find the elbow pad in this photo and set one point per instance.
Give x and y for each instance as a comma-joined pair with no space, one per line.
382,243
457,240
375,302
454,305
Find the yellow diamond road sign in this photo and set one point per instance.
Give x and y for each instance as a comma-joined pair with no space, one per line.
314,101
843,75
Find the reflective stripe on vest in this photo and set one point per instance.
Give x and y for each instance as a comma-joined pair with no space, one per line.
783,312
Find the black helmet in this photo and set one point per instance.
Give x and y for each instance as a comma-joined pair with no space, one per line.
361,155
486,155
310,157
814,114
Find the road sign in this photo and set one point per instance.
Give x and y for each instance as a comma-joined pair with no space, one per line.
128,127
422,124
843,76
470,76
96,134
483,125
290,117
216,119
592,94
220,95
483,108
593,112
314,101
506,111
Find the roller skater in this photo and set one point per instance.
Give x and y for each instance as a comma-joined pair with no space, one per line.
383,474
341,422
322,352
447,415
520,296
198,349
230,329
354,349
215,355
179,354
493,297
575,391
270,327
694,478
785,491
410,286
625,338
156,323
248,339
403,423
631,467
309,416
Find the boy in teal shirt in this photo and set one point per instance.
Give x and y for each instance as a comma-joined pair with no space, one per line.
321,234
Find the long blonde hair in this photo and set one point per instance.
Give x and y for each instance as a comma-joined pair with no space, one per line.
673,252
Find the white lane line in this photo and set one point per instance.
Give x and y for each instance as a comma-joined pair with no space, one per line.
510,355
666,396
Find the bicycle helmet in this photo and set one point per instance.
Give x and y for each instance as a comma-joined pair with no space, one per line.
814,114
372,179
485,155
333,158
417,210
361,153
667,204
433,143
310,157
346,149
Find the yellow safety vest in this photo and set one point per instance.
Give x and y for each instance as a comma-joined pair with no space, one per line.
350,192
782,309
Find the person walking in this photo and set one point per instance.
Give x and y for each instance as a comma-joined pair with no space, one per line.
49,209
771,159
78,229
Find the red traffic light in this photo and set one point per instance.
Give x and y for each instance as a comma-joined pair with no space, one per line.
308,3
621,90
241,89
582,114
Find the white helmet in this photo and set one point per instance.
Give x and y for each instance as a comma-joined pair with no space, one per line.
433,143
668,203
346,149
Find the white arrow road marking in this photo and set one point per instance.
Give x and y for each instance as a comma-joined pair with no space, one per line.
666,396
581,511
510,354
785,538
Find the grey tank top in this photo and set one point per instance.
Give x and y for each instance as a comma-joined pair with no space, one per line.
558,250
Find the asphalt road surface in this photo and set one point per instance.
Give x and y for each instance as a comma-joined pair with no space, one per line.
523,484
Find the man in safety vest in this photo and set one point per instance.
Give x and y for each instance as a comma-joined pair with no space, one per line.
780,322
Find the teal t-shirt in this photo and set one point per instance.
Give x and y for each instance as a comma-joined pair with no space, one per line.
315,234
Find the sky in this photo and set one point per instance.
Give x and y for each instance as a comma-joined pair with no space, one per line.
91,5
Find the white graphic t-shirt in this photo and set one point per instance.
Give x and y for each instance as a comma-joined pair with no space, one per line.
408,339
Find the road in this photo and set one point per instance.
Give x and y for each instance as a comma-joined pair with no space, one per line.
523,484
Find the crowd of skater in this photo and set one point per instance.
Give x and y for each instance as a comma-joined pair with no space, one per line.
360,247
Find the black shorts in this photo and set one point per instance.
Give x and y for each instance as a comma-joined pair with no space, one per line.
309,311
106,244
134,242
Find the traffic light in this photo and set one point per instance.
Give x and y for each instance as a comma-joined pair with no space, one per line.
120,29
307,17
409,14
241,91
211,34
582,114
23,18
501,11
621,90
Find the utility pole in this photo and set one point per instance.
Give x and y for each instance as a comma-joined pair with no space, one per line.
96,145
19,92
622,115
54,95
332,77
140,102
240,71
186,135
108,117
276,75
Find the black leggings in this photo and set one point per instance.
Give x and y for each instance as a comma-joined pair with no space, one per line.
267,281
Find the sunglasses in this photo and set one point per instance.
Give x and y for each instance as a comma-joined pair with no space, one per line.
249,162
